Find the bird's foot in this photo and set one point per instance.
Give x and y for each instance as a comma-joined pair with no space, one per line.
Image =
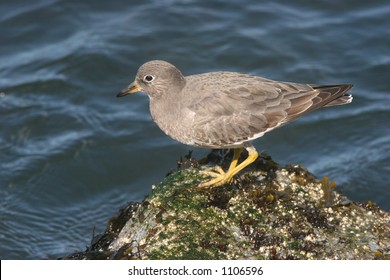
220,177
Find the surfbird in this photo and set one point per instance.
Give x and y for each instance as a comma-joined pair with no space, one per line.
223,110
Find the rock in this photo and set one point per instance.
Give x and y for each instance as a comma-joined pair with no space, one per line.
268,212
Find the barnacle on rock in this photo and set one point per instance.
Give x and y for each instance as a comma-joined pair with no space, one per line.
268,212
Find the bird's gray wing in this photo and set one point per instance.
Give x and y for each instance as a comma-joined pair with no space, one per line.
244,110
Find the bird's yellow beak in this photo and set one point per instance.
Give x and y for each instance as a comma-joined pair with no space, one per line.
132,88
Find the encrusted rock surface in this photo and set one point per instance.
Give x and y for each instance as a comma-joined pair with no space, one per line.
268,212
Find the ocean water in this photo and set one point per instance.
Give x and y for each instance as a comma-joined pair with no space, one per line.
71,154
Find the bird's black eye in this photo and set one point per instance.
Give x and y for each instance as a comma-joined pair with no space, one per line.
148,78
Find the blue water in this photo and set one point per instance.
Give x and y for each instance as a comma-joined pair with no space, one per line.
71,154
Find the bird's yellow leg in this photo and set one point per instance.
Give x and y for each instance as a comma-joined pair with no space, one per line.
252,156
223,178
236,156
220,174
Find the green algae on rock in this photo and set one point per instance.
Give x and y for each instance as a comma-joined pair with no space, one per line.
268,212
